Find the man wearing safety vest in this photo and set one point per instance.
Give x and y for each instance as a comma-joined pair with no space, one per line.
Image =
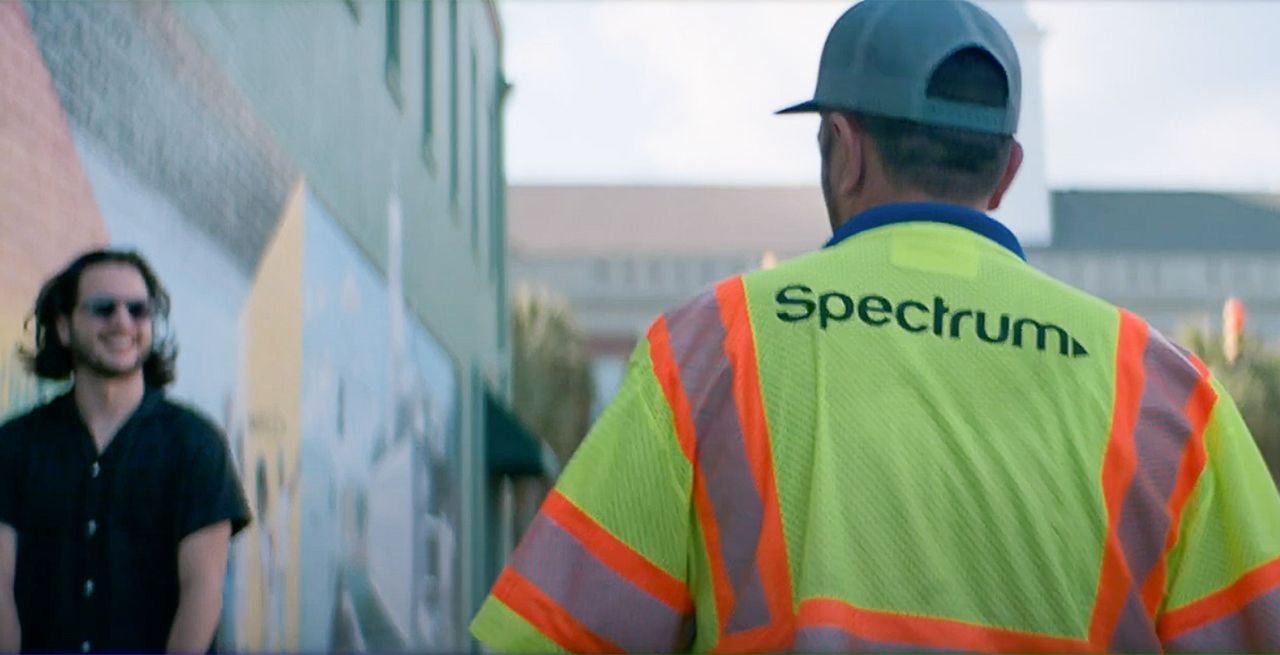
910,439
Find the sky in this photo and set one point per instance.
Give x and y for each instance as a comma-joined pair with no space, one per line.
1152,94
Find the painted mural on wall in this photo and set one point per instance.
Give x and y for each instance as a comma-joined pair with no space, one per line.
339,405
47,211
379,432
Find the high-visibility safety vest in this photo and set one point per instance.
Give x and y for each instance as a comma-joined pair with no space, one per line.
911,439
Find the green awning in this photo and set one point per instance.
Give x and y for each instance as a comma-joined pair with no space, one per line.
509,447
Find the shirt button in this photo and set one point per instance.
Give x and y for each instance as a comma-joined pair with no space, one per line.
91,528
88,589
84,647
93,472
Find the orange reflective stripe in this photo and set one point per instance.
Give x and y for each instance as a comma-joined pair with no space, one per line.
588,587
1165,444
1201,367
1117,472
705,359
616,555
1199,407
544,614
771,554
722,586
668,373
739,347
1222,603
1253,628
925,631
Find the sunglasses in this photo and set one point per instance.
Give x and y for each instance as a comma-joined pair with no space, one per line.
104,308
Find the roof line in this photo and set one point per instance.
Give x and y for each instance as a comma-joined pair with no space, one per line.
491,8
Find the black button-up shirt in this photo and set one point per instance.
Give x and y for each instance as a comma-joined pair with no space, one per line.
98,533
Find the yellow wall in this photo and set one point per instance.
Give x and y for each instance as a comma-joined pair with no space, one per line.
47,211
17,388
272,321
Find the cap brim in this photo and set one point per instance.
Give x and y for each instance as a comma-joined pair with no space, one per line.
806,106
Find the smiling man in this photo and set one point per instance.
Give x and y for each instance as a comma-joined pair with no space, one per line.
117,505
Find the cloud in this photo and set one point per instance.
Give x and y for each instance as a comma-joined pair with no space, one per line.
1161,95
568,111
1230,143
683,91
723,71
668,92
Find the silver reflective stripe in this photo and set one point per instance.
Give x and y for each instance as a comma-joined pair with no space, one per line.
1253,629
1159,438
1134,631
597,597
823,639
698,345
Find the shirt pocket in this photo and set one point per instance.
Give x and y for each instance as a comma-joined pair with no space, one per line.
144,501
52,498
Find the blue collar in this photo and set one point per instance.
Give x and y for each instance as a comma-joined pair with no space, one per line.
930,212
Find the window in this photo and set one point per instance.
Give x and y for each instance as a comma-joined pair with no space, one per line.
496,182
655,273
1213,276
393,52
629,272
342,409
473,155
600,271
500,284
504,321
428,81
708,272
454,169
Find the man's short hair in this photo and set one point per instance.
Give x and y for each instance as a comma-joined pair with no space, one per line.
943,162
51,360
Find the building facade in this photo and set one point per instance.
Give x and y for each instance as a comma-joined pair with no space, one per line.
1173,257
624,254
320,186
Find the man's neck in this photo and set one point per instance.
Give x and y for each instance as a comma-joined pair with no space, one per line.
106,403
852,209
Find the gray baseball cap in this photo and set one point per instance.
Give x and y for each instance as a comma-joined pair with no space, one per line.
880,55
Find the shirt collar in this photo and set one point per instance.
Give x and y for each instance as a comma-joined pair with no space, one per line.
151,401
930,212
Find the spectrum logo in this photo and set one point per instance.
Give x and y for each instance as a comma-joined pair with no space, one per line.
797,302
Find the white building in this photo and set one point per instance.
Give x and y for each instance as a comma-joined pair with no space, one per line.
623,255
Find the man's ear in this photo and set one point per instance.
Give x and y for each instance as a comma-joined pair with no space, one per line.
63,326
850,166
1006,179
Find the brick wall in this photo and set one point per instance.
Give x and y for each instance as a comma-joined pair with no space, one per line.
47,210
133,79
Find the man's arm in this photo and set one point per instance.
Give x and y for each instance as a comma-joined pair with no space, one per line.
211,508
10,629
1223,590
11,482
603,566
202,565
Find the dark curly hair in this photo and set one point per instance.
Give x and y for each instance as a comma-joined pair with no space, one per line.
52,360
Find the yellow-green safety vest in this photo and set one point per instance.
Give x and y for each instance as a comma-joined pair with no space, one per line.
911,439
